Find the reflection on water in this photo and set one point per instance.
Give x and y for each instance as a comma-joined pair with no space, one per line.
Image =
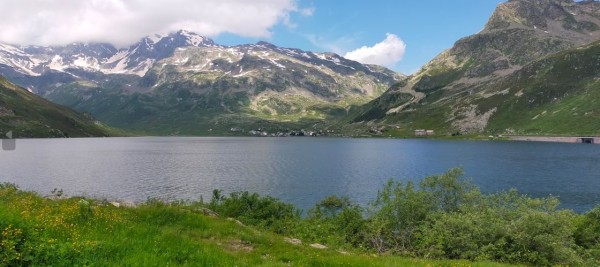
297,170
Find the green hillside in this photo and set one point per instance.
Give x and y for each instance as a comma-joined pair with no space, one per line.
556,95
28,115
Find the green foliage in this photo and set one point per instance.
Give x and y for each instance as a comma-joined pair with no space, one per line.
395,216
330,207
505,227
449,191
448,217
587,233
334,220
399,212
254,209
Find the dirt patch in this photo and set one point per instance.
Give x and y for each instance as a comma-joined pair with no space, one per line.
6,112
318,246
239,246
294,241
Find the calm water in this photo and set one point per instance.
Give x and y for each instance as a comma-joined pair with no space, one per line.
297,170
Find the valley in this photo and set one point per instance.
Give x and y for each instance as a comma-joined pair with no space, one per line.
532,70
129,133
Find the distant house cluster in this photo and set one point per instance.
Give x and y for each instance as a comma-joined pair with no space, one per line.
286,133
421,132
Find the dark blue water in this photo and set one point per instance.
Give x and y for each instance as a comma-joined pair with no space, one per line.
301,171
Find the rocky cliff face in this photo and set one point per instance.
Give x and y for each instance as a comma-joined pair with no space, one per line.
518,33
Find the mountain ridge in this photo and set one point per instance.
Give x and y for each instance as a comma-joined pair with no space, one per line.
443,94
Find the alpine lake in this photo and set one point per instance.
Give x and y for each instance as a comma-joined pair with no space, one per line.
297,170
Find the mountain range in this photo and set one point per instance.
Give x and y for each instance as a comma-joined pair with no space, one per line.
184,83
533,69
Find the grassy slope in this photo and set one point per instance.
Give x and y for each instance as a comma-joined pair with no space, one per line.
556,95
560,96
171,112
28,115
69,232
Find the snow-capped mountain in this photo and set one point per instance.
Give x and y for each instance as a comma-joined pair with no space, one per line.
136,59
187,76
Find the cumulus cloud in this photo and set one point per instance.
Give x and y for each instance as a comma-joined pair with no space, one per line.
386,53
307,11
122,22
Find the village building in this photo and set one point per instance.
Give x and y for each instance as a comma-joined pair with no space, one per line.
423,132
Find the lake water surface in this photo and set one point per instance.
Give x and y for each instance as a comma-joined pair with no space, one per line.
301,171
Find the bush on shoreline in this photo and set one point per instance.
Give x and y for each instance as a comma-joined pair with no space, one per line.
444,217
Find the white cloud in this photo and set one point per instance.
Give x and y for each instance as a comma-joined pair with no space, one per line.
338,46
122,22
386,53
307,12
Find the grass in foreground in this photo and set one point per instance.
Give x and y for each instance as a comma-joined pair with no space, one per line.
83,232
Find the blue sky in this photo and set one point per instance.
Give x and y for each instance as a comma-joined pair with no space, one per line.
427,27
400,34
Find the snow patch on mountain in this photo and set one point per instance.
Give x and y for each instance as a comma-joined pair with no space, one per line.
135,60
192,38
277,64
56,63
154,38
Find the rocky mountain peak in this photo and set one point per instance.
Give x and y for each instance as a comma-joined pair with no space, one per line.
266,44
159,46
520,31
557,17
178,38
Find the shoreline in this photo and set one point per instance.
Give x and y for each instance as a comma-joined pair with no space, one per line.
557,139
520,138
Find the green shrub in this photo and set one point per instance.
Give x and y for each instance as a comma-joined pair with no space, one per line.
334,220
257,210
449,191
505,227
587,233
395,216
